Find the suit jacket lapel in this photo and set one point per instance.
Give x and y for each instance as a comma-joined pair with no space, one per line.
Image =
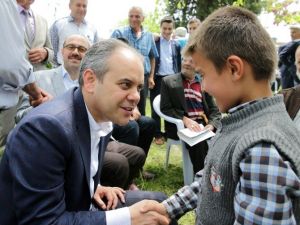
178,91
83,132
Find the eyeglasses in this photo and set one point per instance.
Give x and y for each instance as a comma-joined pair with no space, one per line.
79,48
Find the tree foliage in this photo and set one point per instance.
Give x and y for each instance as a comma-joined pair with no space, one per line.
284,11
183,10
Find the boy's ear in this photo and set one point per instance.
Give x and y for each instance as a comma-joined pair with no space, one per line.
236,65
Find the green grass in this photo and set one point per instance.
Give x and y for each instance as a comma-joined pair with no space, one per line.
166,180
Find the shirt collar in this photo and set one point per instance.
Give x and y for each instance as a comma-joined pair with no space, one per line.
98,129
71,19
243,105
142,29
64,72
21,9
164,40
197,79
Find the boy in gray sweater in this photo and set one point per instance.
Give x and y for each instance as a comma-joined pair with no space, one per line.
251,172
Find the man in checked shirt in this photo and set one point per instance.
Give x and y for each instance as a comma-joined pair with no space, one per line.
251,173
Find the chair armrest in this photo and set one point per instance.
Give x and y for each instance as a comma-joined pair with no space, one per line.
156,105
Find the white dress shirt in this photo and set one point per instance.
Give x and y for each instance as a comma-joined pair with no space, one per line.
98,130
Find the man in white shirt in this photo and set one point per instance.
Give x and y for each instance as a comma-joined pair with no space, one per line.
51,168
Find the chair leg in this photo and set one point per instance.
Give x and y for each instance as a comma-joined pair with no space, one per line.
167,154
188,174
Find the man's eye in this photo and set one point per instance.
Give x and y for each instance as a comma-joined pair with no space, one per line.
125,85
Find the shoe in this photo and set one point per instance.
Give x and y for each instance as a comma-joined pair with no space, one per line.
133,187
159,141
147,175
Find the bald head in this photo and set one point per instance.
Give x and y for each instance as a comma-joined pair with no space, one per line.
136,17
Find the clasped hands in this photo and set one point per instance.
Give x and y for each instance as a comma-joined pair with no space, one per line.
149,212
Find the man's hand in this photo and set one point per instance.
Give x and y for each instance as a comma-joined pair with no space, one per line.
135,114
111,194
44,98
37,55
151,82
148,212
192,124
36,94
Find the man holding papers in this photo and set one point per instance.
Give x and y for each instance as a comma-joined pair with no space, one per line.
182,98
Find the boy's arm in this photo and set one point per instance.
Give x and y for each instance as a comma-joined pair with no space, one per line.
266,185
186,199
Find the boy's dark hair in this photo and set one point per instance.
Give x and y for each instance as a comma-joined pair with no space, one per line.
167,19
235,31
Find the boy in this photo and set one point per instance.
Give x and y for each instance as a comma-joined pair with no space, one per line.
168,63
251,173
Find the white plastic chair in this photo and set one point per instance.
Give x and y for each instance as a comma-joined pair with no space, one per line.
188,174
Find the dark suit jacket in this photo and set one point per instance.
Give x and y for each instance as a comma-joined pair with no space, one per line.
176,56
44,174
173,103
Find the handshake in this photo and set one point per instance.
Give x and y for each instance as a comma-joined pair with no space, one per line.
149,212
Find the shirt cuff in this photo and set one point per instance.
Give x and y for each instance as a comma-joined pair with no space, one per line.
118,216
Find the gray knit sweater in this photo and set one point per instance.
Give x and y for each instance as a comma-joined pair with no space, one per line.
263,121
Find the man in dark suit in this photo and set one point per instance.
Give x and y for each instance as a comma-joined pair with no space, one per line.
52,163
122,162
182,98
168,62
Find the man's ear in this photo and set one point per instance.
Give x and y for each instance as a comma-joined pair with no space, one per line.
236,65
89,80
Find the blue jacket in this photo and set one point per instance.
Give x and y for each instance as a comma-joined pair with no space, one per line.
45,170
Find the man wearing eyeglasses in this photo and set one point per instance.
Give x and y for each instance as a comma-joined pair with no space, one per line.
62,78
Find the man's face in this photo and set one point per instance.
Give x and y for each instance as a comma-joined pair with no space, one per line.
25,3
192,27
73,51
135,18
219,85
115,96
78,9
166,30
188,67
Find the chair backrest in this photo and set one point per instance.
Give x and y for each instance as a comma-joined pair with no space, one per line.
156,106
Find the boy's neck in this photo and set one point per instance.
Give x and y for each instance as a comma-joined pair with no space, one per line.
257,90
